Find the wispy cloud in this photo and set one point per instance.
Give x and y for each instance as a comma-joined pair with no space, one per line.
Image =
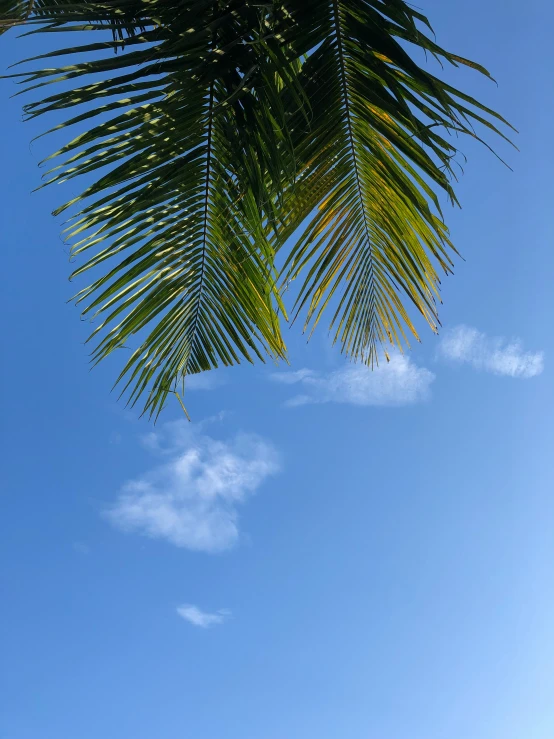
291,378
81,547
394,383
492,354
202,619
191,497
209,380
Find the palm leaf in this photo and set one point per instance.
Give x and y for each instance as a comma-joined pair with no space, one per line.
177,208
224,130
372,158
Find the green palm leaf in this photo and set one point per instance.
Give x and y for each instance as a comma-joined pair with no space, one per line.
223,131
177,208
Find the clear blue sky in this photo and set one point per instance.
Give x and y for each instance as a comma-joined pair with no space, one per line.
385,571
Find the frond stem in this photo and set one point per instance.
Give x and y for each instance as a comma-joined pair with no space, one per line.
205,227
344,85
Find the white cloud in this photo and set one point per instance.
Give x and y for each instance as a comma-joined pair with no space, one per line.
208,380
291,378
81,547
191,498
492,354
200,618
394,383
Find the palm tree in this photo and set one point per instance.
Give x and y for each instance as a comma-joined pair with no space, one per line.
227,137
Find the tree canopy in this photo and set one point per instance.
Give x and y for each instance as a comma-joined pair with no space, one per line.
233,150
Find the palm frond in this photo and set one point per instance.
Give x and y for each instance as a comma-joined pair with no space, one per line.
123,17
176,212
224,128
371,159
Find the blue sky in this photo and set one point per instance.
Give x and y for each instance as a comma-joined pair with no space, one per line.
322,552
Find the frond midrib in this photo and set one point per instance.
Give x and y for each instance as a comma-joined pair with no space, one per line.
352,142
199,299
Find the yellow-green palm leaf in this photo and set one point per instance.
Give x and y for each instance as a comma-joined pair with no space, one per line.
371,159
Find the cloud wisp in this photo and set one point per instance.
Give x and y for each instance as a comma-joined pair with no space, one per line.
394,383
191,497
464,344
200,618
204,381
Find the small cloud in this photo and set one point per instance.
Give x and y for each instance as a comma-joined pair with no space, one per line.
191,498
291,378
394,383
151,441
200,618
299,400
492,354
204,381
81,547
